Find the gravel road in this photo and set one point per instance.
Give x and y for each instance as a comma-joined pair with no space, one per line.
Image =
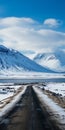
28,115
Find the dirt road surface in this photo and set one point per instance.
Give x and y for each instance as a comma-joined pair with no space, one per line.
28,115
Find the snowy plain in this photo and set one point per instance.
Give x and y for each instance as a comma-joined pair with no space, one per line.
7,91
29,74
56,88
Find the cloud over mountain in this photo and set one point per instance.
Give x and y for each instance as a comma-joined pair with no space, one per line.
28,34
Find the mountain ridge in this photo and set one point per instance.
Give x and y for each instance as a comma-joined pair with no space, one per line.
12,59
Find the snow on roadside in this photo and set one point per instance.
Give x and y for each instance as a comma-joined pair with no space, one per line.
58,88
7,91
12,104
59,113
4,96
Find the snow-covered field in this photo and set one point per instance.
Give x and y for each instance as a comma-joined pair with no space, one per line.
56,88
7,91
29,75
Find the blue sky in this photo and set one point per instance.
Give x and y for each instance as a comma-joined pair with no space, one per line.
34,24
37,9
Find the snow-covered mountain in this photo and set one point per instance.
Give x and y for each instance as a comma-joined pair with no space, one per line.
54,61
14,60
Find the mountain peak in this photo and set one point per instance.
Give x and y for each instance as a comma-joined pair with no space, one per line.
54,60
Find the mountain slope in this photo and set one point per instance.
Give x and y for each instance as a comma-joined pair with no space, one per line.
54,61
11,59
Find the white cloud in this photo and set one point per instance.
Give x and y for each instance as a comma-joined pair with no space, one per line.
27,34
52,22
14,21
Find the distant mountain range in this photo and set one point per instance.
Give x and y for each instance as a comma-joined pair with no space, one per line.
11,59
54,61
